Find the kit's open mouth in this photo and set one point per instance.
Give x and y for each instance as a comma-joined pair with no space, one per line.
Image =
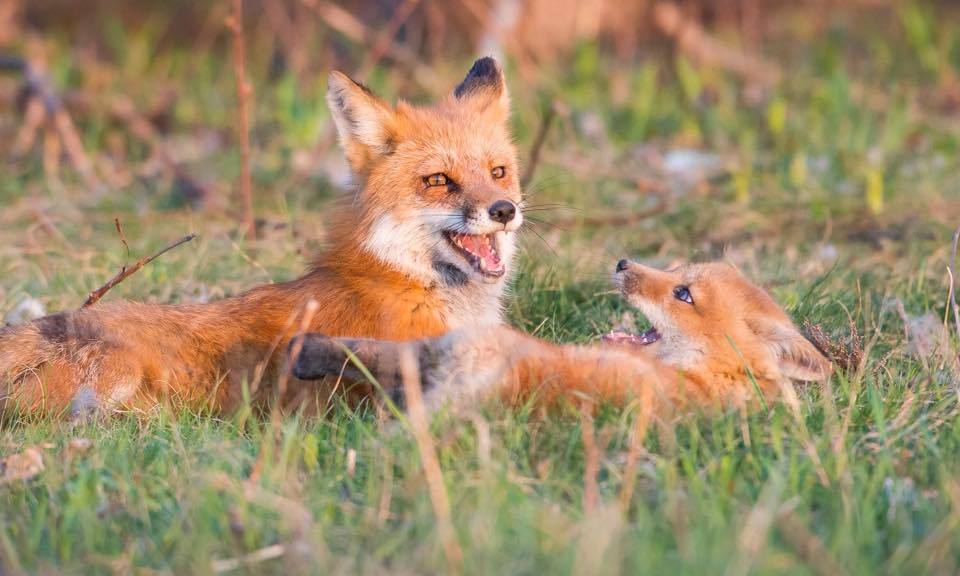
480,250
645,339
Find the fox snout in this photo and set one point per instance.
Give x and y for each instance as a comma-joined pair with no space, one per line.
636,280
628,274
502,211
490,212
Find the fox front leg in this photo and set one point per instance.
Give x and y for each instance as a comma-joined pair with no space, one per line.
457,368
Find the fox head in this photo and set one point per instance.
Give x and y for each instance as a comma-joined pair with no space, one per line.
438,186
708,319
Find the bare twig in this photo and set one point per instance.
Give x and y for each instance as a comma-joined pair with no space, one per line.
692,39
953,277
385,38
350,26
534,158
123,237
417,414
45,109
128,271
244,90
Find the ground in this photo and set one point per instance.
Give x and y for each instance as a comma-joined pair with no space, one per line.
837,190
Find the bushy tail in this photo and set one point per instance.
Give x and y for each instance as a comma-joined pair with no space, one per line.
23,350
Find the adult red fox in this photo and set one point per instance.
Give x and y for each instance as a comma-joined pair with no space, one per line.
423,245
716,340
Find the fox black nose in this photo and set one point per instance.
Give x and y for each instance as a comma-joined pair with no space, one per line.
503,211
622,265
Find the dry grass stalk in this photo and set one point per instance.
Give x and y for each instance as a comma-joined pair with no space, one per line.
591,456
951,270
386,490
549,113
756,528
807,545
417,415
44,111
295,514
309,311
244,91
693,40
637,436
128,271
256,557
847,356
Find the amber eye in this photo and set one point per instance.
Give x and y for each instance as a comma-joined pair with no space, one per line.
438,179
498,172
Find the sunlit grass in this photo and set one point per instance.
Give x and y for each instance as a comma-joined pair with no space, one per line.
843,210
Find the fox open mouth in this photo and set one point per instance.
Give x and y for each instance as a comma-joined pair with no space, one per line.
645,339
480,250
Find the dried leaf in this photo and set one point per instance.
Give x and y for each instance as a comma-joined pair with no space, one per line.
79,446
22,466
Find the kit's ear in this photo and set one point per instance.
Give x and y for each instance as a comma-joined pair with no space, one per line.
485,88
797,358
365,123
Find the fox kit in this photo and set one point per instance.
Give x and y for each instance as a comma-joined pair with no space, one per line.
423,245
716,339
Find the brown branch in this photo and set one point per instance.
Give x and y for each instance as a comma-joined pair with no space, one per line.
45,109
351,27
244,90
549,113
128,271
123,237
697,43
385,38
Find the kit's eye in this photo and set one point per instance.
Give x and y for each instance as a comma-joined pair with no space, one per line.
438,179
682,293
498,172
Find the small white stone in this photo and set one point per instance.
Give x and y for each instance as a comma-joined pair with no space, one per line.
26,310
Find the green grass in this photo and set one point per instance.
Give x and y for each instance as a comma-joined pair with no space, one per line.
843,210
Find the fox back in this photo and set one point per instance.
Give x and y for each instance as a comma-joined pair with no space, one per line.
422,243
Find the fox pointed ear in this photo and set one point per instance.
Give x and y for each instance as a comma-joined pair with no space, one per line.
486,86
796,357
365,123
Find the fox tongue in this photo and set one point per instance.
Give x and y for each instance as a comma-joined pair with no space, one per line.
481,247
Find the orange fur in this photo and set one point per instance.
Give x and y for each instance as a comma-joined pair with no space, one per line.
728,342
390,271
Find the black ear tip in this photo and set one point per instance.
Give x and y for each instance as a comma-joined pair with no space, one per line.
485,67
485,72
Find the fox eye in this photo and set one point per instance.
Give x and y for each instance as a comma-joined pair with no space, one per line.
682,293
438,179
498,172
